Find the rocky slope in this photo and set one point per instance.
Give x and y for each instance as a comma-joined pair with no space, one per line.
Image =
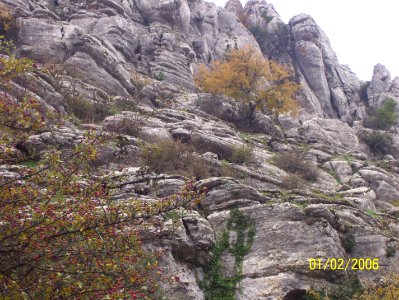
123,51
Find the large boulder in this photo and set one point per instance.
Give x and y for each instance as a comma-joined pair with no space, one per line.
335,86
382,87
334,134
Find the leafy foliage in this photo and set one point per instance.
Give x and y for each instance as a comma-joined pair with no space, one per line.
384,117
295,163
10,66
62,236
7,20
160,76
350,288
378,142
292,181
387,289
242,154
249,78
348,241
174,157
20,118
216,285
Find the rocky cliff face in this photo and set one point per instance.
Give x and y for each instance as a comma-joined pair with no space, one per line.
113,39
329,89
107,47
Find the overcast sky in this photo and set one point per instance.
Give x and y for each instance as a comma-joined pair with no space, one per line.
362,32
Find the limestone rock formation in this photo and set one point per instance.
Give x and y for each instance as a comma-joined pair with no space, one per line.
382,87
142,55
328,88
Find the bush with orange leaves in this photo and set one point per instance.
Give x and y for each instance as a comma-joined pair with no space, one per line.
248,77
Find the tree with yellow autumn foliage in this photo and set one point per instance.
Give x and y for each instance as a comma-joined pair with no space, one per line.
248,77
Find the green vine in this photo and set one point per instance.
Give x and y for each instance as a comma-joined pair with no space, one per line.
215,284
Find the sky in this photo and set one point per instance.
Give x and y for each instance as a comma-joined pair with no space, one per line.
361,32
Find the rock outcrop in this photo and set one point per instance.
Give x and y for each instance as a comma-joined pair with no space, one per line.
144,53
329,89
382,87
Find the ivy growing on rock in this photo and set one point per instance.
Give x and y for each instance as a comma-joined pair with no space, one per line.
215,284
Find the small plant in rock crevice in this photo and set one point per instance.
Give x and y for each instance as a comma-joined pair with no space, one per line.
240,155
160,76
292,181
350,288
295,163
175,157
348,241
390,251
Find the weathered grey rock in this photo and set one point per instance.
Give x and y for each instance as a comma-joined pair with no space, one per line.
328,132
335,86
225,193
326,182
111,49
194,240
361,197
234,6
328,88
10,173
318,155
186,288
382,87
386,186
275,255
229,110
342,169
262,19
157,38
381,81
63,137
169,186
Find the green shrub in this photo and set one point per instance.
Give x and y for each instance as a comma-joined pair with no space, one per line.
29,164
395,203
228,170
348,241
378,143
261,36
387,288
295,163
390,251
384,117
174,157
160,76
349,288
86,110
291,182
129,125
240,155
